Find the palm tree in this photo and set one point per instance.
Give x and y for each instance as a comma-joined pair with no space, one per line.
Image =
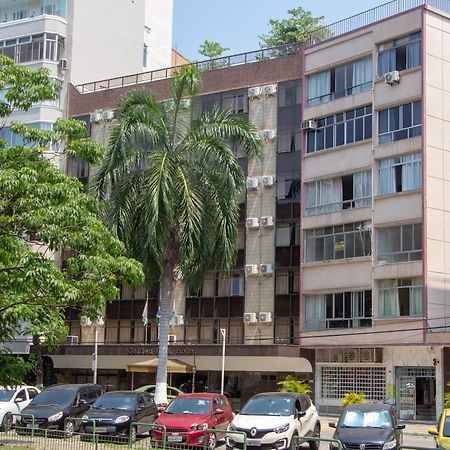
169,185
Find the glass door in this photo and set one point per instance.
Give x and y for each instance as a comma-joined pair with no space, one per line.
407,397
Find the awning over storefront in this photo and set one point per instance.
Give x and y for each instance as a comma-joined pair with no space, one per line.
151,365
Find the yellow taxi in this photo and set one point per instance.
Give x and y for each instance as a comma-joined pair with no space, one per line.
441,431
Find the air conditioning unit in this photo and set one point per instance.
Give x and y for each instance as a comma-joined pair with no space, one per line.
267,180
172,338
252,223
270,89
309,125
178,319
392,77
252,183
270,135
85,321
255,92
62,64
265,269
267,221
72,340
108,114
265,317
250,317
96,116
251,270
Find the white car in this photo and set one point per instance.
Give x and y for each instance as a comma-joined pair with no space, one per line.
272,419
12,401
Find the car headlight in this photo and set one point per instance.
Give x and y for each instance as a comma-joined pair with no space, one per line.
232,427
281,428
390,444
199,427
55,417
122,419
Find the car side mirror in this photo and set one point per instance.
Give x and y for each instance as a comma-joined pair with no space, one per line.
401,426
236,411
218,411
82,401
332,424
19,400
433,431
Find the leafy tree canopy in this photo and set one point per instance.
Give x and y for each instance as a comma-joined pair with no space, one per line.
45,214
292,384
212,49
296,28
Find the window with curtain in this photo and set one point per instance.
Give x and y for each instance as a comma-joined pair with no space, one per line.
399,244
341,129
287,282
400,297
403,173
351,240
315,312
400,122
401,54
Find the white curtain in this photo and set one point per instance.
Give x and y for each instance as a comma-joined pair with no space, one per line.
311,202
388,300
411,172
362,188
315,311
362,75
283,236
330,195
386,61
387,177
413,54
319,88
415,297
357,307
209,287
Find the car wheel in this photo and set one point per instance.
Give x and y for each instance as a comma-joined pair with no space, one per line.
7,422
212,441
69,428
314,445
133,434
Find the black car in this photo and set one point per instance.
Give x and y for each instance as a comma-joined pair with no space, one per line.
115,412
370,426
51,407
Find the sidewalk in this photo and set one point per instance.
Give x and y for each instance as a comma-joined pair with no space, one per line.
412,428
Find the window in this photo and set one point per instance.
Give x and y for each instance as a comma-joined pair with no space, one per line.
32,393
400,54
287,282
351,240
288,188
287,234
344,80
400,297
13,139
288,139
400,174
341,129
338,310
236,101
336,194
402,243
401,122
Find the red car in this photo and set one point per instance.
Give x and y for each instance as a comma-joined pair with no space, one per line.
188,415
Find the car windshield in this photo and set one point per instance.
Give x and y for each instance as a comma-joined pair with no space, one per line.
446,429
365,419
268,406
189,405
57,397
112,401
6,395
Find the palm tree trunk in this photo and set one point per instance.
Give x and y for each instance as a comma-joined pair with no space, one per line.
165,308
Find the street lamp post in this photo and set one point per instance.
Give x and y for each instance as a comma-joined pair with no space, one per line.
223,332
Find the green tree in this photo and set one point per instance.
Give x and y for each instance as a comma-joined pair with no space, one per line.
292,384
297,28
172,186
212,49
352,398
44,213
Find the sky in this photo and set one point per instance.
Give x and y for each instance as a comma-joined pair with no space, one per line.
238,23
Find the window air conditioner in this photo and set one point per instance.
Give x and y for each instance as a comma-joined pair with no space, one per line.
267,221
255,92
178,319
265,269
85,321
270,89
72,340
267,180
96,116
251,270
250,317
270,135
265,317
309,125
62,64
252,223
108,114
172,338
252,183
392,77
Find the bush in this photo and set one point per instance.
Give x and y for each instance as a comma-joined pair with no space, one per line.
291,384
353,398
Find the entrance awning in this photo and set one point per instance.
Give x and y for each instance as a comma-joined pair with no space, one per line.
151,366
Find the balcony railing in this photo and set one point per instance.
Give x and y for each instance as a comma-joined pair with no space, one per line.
323,324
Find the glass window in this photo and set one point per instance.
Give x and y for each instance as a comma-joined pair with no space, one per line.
399,244
400,297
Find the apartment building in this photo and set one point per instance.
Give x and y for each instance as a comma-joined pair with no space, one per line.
342,271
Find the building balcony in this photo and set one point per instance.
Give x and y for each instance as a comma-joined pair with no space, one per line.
26,9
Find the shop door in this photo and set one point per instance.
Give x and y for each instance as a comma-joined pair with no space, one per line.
407,397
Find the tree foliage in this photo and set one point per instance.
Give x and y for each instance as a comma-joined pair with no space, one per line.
45,214
297,28
171,185
212,49
292,384
352,398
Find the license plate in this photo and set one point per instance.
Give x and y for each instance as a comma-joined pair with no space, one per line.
31,425
254,442
100,429
174,438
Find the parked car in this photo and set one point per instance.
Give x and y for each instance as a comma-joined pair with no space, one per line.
368,425
114,413
53,405
272,419
441,431
172,392
12,401
188,415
